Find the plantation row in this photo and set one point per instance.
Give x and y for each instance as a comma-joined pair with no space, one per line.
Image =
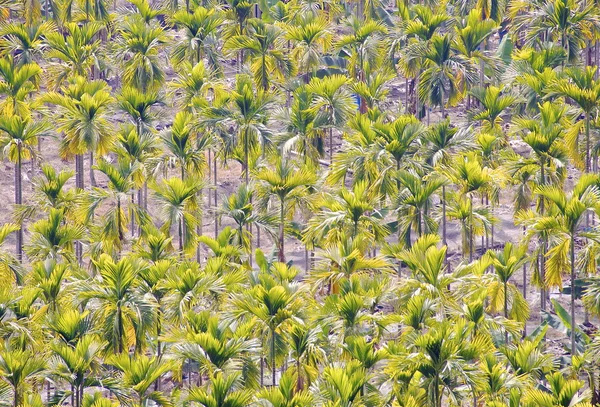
340,204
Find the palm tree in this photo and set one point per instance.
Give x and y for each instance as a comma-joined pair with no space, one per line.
441,142
333,101
413,201
225,391
18,367
290,185
53,238
273,305
247,111
83,112
563,226
567,22
74,364
24,41
494,101
75,51
260,45
184,143
445,73
310,39
123,314
17,83
18,136
178,205
139,372
200,29
139,48
115,219
502,292
346,214
580,86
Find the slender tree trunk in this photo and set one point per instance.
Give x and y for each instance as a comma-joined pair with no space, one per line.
524,286
573,321
281,231
274,370
506,309
92,178
215,195
471,231
330,145
19,201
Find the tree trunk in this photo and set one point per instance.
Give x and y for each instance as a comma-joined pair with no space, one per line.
92,178
19,201
573,322
281,231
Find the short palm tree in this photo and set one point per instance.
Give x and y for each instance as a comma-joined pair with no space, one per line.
310,38
24,41
54,238
334,103
19,367
139,373
224,391
503,295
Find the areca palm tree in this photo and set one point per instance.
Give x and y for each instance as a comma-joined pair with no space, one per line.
75,53
139,49
139,373
185,144
24,41
346,214
200,30
563,224
115,219
18,135
260,45
413,202
17,83
445,73
178,206
580,86
54,238
310,38
83,120
290,185
248,112
124,314
568,22
19,367
274,305
225,391
333,101
494,101
504,293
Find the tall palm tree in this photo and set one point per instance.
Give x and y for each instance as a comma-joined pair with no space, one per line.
75,50
185,144
123,314
581,86
139,48
563,225
333,101
248,112
290,185
260,45
17,83
200,30
83,119
18,135
178,206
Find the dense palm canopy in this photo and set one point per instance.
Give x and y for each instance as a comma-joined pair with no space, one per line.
299,203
